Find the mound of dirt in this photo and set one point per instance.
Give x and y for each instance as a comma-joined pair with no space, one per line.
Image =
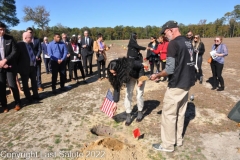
109,149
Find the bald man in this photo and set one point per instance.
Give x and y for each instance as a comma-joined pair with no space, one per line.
26,66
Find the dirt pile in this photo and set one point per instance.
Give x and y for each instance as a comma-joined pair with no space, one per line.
111,149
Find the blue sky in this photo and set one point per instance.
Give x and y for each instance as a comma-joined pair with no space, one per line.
110,13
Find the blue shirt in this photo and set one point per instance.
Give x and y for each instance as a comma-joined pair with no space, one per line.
57,50
222,49
31,54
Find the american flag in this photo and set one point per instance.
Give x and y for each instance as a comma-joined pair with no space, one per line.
107,104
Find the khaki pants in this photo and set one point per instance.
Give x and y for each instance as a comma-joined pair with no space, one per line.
129,94
173,114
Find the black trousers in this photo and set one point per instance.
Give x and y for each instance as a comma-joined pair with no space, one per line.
61,69
199,64
11,78
68,67
38,73
152,63
73,68
47,62
80,66
217,73
101,66
163,64
87,58
25,78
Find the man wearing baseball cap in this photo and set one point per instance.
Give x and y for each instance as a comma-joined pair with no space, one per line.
180,70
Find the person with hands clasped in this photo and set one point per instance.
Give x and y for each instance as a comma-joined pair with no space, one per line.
127,70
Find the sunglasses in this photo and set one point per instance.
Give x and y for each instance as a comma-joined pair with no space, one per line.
216,41
196,37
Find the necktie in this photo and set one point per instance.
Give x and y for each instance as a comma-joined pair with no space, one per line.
1,49
86,41
32,57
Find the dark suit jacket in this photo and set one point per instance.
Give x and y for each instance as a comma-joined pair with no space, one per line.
10,52
88,49
37,48
72,53
23,60
44,49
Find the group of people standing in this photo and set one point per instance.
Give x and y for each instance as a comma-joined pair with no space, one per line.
60,54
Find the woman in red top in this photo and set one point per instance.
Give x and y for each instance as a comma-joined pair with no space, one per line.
162,50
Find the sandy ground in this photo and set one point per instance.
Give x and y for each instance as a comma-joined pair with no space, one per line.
59,126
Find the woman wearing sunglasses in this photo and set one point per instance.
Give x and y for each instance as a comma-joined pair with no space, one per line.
218,62
199,50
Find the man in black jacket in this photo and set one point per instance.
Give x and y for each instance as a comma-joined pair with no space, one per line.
181,72
8,68
27,66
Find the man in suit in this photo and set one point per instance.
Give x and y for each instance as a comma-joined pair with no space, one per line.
46,57
57,51
37,48
27,66
79,38
8,68
86,45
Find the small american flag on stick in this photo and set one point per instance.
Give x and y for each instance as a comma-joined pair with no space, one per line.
107,104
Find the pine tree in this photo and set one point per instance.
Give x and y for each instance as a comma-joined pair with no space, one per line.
8,13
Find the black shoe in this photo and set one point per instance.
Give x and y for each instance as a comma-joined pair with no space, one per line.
91,73
213,88
220,89
63,89
29,100
54,91
139,116
128,119
37,98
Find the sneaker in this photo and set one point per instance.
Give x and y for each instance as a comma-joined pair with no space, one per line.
139,116
160,148
220,89
128,119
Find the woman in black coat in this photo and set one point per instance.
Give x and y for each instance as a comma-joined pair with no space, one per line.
134,48
154,59
75,59
199,49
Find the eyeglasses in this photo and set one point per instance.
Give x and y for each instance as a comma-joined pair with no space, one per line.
216,40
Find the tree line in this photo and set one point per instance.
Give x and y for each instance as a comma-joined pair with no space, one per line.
226,26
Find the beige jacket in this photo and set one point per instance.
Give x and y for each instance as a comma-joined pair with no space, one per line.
96,48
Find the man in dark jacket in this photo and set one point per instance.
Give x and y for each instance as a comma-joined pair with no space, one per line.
134,48
37,48
8,68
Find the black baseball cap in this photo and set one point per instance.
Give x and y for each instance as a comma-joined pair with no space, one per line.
169,24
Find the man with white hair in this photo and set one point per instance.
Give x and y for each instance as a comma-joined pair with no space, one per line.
181,72
46,57
26,66
86,45
79,38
